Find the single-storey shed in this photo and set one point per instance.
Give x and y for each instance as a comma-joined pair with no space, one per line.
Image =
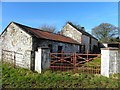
26,40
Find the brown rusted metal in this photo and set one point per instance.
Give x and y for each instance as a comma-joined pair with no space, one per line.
72,60
41,34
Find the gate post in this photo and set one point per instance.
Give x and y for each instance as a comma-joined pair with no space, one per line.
74,62
42,59
109,59
38,60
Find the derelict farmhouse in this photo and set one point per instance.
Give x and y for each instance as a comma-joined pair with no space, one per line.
27,41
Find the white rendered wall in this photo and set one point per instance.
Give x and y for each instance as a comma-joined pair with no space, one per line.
105,62
38,60
109,61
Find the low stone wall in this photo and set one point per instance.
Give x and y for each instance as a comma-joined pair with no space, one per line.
16,58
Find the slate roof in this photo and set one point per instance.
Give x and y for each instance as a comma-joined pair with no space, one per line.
45,34
82,31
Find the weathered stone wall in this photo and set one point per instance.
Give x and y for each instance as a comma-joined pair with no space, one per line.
93,42
0,48
15,39
118,62
114,61
85,41
66,47
71,32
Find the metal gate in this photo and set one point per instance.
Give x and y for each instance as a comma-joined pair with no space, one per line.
73,61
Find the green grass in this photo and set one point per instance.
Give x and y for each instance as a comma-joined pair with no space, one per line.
23,78
94,62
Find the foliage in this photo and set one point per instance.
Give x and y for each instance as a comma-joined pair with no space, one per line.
77,26
23,78
105,31
117,39
48,28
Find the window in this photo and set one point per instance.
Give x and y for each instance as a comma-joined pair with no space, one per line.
59,49
50,47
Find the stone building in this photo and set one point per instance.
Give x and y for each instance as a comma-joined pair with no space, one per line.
26,40
86,40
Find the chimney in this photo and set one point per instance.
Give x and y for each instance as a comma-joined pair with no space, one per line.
83,28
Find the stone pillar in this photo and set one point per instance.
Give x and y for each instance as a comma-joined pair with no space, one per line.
109,59
38,60
42,59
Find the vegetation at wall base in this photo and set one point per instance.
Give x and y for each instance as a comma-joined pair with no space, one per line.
23,78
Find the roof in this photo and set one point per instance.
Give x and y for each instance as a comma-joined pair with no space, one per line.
40,34
82,31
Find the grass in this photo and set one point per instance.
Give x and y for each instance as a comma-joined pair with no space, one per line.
94,62
23,78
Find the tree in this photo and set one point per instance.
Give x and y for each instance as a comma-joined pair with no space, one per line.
117,39
77,26
48,28
105,32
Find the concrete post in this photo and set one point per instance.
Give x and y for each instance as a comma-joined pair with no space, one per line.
42,59
109,59
38,60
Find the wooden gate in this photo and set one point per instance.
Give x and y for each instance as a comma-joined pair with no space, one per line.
72,61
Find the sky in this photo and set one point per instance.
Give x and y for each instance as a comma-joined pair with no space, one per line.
35,14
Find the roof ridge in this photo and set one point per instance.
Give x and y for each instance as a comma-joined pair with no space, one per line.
31,27
39,29
81,30
39,34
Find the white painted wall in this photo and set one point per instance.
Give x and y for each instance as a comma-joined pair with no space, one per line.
16,39
110,61
0,48
105,45
105,59
38,60
71,32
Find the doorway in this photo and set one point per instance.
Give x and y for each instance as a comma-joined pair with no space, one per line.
59,51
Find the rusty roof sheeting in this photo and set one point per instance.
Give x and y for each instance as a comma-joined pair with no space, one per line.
46,35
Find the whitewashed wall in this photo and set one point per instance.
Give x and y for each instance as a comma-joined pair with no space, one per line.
110,61
0,48
38,57
15,39
71,32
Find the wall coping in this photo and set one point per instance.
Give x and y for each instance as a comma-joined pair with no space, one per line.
110,48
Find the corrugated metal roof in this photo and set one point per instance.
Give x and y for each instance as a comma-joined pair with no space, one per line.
46,35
